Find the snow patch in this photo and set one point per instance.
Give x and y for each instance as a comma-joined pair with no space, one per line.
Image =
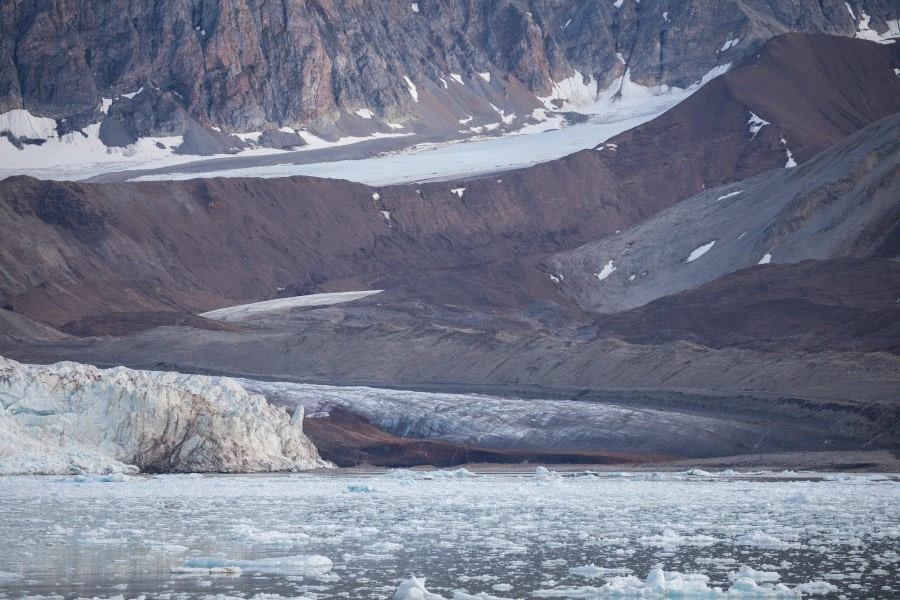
466,120
457,78
365,113
133,94
850,10
730,195
888,37
412,88
243,311
22,124
507,119
486,76
415,7
766,259
458,191
698,252
756,124
730,44
607,270
791,163
618,3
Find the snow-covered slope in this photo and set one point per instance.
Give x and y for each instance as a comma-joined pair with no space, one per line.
71,417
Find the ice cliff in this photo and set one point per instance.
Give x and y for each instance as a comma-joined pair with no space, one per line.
74,418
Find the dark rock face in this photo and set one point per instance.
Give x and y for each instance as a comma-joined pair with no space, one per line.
246,66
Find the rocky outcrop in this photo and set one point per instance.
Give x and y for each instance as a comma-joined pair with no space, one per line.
248,66
72,418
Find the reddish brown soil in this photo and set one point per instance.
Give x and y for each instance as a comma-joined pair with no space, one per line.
347,440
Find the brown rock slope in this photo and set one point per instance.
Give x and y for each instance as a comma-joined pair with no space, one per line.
250,66
79,251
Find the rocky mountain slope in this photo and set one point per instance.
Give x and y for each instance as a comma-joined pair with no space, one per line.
203,70
67,418
76,251
841,203
620,276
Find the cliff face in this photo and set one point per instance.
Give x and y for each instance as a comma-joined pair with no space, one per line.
248,65
70,417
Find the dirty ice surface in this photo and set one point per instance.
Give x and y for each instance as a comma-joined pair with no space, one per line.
527,536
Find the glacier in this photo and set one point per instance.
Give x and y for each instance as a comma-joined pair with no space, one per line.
70,418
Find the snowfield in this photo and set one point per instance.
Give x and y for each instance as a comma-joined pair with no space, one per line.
340,535
74,418
610,111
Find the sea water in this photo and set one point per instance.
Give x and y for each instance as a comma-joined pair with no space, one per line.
531,535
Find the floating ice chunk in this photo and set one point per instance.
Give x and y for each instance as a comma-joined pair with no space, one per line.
760,539
384,547
766,259
7,576
414,589
365,113
618,475
756,124
817,587
589,571
698,252
461,472
402,474
543,473
697,473
670,539
298,564
458,191
607,270
364,488
202,571
753,574
412,88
